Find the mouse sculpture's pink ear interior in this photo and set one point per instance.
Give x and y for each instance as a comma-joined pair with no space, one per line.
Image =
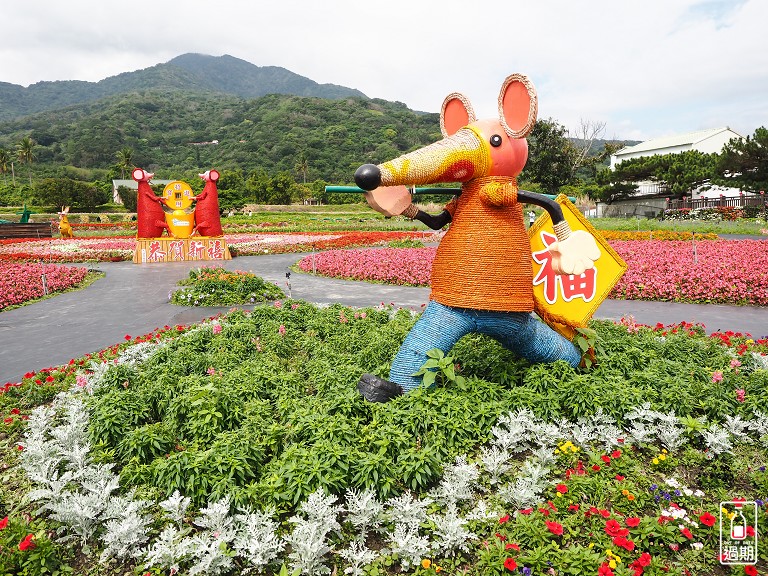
456,113
518,105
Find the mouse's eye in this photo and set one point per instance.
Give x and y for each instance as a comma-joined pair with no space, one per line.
495,140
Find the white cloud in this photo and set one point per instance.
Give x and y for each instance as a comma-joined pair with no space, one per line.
646,68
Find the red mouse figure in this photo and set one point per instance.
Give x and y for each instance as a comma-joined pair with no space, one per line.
149,208
207,206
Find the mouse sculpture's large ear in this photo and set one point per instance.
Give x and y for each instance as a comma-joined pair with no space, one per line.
518,105
456,113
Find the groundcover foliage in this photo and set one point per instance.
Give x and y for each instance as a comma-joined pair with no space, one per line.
263,406
258,411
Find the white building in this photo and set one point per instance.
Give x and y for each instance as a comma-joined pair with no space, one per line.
651,197
704,141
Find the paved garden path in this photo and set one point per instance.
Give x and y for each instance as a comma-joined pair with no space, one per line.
133,299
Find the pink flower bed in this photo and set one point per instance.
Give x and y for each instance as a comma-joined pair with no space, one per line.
22,282
725,271
405,266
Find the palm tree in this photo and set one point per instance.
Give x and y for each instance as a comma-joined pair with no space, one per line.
5,160
125,160
302,166
26,155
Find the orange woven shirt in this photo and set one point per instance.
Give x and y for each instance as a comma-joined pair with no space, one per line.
484,260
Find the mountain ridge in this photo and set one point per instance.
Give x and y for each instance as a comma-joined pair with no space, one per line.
189,72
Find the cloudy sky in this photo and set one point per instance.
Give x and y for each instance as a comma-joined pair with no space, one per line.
644,68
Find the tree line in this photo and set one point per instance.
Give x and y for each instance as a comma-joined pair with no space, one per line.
281,149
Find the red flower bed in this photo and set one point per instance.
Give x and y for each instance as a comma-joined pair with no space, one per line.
22,282
725,271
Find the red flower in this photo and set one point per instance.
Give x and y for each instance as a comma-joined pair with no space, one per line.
624,543
544,511
573,508
127,336
616,454
619,477
16,411
504,518
595,467
526,511
750,530
604,513
604,570
3,523
501,537
750,570
644,560
562,488
687,533
49,379
27,543
707,519
632,522
555,527
674,547
613,528
511,546
510,564
605,458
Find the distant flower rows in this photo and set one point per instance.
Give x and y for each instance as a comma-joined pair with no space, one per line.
110,248
725,271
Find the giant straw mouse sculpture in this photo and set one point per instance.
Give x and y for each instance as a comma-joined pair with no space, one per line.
482,273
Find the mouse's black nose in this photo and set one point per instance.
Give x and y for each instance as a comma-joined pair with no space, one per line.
368,177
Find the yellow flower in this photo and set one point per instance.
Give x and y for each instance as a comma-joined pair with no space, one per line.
591,545
655,460
625,491
426,563
664,451
750,341
437,568
662,457
617,559
612,564
608,552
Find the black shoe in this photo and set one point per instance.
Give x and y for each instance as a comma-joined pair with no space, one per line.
375,389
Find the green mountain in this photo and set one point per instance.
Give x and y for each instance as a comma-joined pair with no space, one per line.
196,73
172,132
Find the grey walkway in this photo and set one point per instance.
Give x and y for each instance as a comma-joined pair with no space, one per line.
133,299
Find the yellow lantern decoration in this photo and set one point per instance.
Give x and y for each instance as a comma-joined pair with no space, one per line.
179,213
567,302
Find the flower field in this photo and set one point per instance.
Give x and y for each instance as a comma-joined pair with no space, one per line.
723,271
108,248
240,444
20,283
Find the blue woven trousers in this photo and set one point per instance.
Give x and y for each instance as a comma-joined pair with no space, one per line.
442,326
